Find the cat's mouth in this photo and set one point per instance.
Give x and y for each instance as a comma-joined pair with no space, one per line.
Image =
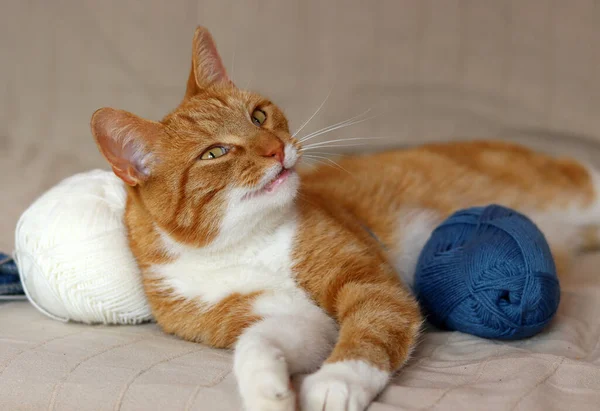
277,181
272,184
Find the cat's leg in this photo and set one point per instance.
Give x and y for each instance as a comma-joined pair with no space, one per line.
293,336
379,324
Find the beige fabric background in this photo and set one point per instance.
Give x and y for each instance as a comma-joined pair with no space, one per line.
432,69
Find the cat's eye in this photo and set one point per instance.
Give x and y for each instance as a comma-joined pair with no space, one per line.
214,152
258,117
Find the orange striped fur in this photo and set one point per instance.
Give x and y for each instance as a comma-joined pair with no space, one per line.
307,283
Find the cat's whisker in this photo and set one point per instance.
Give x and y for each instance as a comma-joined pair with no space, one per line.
327,153
337,165
320,162
335,126
311,156
233,57
250,78
328,141
304,150
314,114
344,139
326,159
322,143
304,198
310,161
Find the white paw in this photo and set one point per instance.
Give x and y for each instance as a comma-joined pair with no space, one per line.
329,393
268,390
344,386
269,394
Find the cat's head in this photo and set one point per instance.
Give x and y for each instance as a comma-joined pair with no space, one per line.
223,158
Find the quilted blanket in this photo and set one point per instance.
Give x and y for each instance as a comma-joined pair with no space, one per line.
525,70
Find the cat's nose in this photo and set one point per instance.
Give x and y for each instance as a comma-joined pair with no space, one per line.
275,150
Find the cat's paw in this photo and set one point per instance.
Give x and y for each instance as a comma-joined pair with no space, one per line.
269,393
343,386
331,393
268,389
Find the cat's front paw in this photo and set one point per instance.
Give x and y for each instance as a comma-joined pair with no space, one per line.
330,393
269,393
342,386
268,389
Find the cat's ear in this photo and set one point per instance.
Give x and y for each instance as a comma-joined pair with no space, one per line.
126,141
207,66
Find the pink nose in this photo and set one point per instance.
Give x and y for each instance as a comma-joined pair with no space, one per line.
274,150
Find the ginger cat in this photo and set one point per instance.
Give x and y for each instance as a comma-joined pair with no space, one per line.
238,249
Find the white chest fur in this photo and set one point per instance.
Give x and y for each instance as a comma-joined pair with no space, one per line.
257,263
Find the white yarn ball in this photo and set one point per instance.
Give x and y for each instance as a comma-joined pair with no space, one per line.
73,257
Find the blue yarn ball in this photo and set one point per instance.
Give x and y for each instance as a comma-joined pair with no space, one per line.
488,271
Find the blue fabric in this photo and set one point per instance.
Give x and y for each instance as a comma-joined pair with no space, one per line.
488,271
10,284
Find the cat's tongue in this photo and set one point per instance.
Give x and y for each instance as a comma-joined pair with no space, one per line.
269,188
